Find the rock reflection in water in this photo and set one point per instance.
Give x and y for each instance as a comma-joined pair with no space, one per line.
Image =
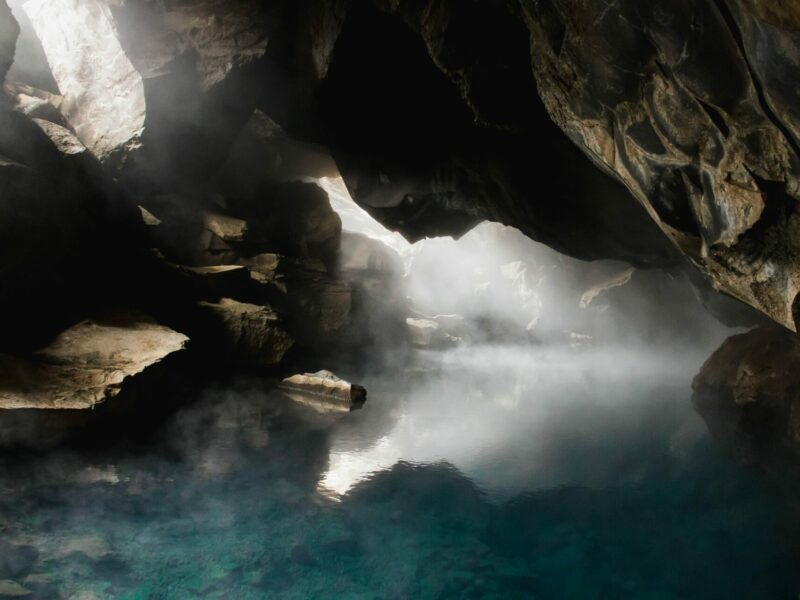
494,472
515,420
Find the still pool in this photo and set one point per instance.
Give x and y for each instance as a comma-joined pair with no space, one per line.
478,473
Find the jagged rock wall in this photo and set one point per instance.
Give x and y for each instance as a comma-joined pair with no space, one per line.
690,105
443,113
434,133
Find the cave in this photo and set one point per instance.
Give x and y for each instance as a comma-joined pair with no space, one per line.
399,299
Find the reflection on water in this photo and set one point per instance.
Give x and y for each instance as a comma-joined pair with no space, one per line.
481,473
516,421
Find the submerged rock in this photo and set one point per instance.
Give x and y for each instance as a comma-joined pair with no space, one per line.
87,364
16,561
11,589
324,392
748,392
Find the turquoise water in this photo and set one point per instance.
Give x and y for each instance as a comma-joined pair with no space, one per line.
480,473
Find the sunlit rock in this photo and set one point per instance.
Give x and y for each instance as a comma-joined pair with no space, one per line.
427,333
493,277
324,392
87,364
35,103
104,95
363,254
154,91
597,290
747,392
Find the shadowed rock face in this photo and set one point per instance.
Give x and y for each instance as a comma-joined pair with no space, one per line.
688,104
434,135
629,130
442,113
681,115
748,393
606,130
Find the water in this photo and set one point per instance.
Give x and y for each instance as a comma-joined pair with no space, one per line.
481,473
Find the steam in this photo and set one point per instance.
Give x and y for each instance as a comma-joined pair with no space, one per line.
514,419
502,286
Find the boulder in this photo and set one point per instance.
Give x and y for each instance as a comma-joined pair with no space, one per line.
191,228
293,218
255,333
748,392
376,329
324,391
86,365
319,304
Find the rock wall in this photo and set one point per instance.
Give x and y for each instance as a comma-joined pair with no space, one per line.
689,105
441,114
687,108
747,392
9,30
154,91
153,172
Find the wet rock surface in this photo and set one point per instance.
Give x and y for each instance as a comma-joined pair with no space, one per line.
324,391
